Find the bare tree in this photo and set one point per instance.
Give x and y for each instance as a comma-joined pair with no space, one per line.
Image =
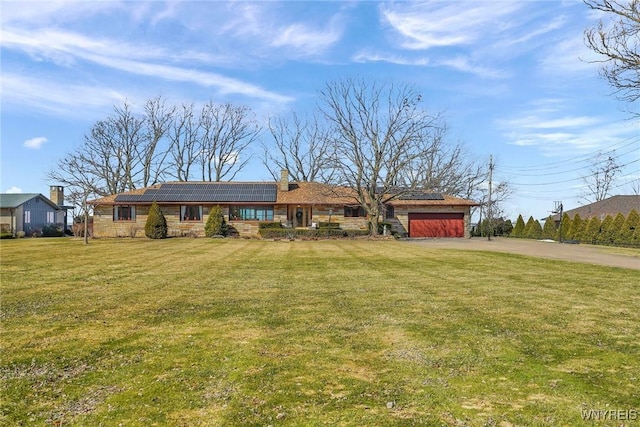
602,175
301,146
102,165
446,167
500,193
152,152
184,145
82,184
618,43
380,131
226,132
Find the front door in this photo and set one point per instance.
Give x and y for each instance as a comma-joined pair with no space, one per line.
299,216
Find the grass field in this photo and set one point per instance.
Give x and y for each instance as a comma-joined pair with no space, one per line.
188,332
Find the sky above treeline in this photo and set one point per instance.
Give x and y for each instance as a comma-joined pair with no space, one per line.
514,80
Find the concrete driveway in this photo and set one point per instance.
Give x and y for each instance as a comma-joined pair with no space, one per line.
602,255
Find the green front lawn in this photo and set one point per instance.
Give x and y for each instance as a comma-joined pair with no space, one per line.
189,332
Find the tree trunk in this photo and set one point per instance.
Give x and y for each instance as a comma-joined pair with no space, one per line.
86,225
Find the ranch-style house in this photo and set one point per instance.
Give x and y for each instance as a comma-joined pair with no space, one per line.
186,206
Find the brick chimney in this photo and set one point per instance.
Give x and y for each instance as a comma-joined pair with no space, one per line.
284,180
56,194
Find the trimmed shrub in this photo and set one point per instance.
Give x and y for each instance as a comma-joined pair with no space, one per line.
635,239
156,225
625,237
505,228
334,225
269,224
303,233
591,231
576,229
535,232
518,230
6,235
52,231
527,228
549,230
616,227
606,236
216,225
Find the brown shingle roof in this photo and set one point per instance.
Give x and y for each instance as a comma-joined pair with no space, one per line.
448,201
313,193
611,206
110,199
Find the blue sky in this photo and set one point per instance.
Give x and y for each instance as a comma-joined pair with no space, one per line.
513,79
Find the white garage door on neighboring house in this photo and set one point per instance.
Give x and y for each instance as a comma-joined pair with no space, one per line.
436,224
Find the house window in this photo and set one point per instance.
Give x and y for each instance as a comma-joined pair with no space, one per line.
27,217
354,211
191,213
124,213
251,213
390,212
51,217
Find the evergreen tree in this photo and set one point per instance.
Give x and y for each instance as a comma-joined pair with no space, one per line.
591,231
528,227
618,223
535,232
575,231
635,239
606,236
563,227
507,228
518,230
156,225
216,225
630,225
549,231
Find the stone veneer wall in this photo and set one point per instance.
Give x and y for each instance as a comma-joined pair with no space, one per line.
104,226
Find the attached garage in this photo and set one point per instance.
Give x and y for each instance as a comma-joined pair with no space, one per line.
436,224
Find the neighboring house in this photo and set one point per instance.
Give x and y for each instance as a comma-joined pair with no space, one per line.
30,212
611,206
186,207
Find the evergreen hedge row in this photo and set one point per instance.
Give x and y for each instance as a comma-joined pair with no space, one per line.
616,231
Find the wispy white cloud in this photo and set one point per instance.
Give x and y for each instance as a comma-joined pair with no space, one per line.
532,33
556,134
459,63
569,57
437,24
35,13
67,48
307,40
62,99
14,190
465,64
271,32
538,122
35,143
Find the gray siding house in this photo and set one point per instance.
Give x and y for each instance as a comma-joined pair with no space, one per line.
30,212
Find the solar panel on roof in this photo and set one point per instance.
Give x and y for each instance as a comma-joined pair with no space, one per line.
205,192
418,195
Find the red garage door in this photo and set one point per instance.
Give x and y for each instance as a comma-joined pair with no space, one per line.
436,224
